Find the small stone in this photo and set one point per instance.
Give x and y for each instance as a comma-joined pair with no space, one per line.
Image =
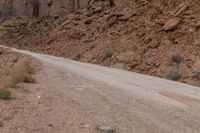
83,125
89,13
50,125
153,44
141,34
87,21
112,3
171,24
118,65
105,129
148,55
147,40
196,66
125,15
198,25
126,56
66,22
112,21
98,9
197,42
92,46
15,60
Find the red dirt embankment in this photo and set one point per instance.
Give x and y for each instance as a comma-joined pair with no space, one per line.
156,37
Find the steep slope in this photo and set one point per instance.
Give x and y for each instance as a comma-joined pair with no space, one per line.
156,37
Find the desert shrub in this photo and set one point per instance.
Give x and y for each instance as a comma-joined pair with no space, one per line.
175,57
1,124
76,57
7,82
25,66
173,74
106,53
5,93
29,79
22,72
195,74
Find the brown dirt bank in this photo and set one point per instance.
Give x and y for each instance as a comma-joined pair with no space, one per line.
157,37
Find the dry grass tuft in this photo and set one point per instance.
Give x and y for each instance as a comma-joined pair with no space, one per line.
1,124
5,93
21,73
7,82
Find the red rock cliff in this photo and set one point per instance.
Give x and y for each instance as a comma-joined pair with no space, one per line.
43,7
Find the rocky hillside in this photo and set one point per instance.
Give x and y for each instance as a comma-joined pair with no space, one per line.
156,37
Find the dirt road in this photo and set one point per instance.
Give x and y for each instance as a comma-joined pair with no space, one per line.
76,97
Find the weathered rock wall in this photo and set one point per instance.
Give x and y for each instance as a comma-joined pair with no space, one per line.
5,8
43,7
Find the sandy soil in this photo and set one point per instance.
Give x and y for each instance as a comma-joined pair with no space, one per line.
75,97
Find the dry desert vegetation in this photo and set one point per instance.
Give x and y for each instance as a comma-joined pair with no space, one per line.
14,69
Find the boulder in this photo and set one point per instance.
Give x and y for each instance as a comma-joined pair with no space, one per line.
125,14
111,21
171,24
127,56
118,65
88,20
98,9
197,42
153,44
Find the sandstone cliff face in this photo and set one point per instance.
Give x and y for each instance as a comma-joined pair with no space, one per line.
41,7
5,8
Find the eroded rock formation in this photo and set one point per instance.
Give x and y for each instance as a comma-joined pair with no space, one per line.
39,7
